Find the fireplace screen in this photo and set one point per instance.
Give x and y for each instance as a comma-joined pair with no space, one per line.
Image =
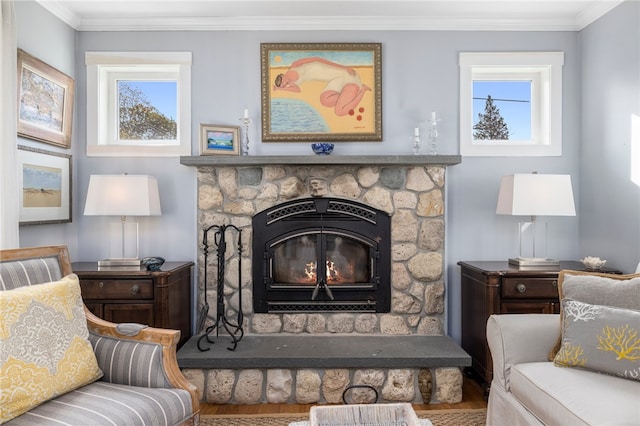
321,254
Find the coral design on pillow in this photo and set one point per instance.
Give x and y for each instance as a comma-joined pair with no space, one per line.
622,341
581,311
571,356
600,338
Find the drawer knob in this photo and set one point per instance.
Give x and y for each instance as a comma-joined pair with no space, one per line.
521,288
100,284
135,289
554,283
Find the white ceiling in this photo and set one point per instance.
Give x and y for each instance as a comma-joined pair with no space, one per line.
141,15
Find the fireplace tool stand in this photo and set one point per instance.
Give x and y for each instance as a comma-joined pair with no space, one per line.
234,330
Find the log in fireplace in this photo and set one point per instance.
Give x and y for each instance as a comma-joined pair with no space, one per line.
321,255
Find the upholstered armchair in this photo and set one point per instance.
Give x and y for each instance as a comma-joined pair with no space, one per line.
138,379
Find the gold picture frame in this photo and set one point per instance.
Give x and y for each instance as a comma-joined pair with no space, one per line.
45,102
321,92
45,181
219,140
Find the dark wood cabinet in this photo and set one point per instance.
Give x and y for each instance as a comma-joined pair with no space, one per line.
489,288
159,299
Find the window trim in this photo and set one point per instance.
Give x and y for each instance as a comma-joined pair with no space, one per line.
546,119
102,68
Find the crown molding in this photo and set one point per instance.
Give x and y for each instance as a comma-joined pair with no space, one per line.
322,23
594,11
328,23
61,12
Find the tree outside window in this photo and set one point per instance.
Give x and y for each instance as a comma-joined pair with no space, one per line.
139,118
490,125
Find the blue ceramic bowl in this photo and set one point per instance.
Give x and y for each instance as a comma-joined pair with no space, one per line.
322,148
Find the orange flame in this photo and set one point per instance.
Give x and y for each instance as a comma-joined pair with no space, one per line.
331,271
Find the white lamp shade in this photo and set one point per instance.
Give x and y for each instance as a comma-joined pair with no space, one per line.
535,194
122,195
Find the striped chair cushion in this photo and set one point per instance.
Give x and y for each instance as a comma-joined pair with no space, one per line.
128,362
19,273
109,404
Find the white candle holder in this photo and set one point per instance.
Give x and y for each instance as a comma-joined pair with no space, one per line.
244,146
416,144
415,140
433,134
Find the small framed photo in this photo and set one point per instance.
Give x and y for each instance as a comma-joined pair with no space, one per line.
45,179
45,102
219,140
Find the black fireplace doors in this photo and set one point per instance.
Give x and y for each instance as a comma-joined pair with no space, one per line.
321,255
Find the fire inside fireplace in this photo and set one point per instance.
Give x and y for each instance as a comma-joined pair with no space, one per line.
321,254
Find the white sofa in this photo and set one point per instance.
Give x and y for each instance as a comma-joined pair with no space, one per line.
527,389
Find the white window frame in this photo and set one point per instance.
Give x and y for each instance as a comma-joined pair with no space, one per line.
104,69
544,71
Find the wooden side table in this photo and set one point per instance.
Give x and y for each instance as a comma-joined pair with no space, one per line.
159,298
489,287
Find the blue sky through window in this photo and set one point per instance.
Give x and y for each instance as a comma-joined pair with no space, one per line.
513,99
163,95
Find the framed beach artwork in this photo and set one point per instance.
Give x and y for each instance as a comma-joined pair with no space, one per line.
45,179
321,92
45,102
219,140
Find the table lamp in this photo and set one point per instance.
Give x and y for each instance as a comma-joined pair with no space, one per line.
123,195
535,195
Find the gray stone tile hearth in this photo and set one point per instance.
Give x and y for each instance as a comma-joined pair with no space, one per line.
308,369
309,351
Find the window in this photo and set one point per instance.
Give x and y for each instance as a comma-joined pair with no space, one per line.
138,104
511,103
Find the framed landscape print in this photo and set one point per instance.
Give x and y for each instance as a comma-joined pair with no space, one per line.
321,92
219,140
45,102
45,179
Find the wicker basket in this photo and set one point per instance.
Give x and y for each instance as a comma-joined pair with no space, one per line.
400,414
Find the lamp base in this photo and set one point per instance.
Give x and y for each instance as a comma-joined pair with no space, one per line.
533,261
119,262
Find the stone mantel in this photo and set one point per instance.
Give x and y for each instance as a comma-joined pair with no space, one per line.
320,160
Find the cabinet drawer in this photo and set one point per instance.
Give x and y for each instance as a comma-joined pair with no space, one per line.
117,289
528,288
524,307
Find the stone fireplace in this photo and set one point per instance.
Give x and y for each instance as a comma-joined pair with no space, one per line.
334,247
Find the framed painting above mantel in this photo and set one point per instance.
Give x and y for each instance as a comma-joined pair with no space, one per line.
318,92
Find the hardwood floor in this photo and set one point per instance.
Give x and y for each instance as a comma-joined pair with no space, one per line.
472,397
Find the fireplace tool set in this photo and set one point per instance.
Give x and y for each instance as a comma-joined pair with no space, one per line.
234,330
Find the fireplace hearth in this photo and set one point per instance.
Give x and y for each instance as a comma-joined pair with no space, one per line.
321,255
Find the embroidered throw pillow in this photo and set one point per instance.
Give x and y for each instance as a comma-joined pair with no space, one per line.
600,338
619,291
45,351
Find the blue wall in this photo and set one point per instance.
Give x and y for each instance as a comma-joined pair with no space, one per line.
420,73
610,201
57,49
